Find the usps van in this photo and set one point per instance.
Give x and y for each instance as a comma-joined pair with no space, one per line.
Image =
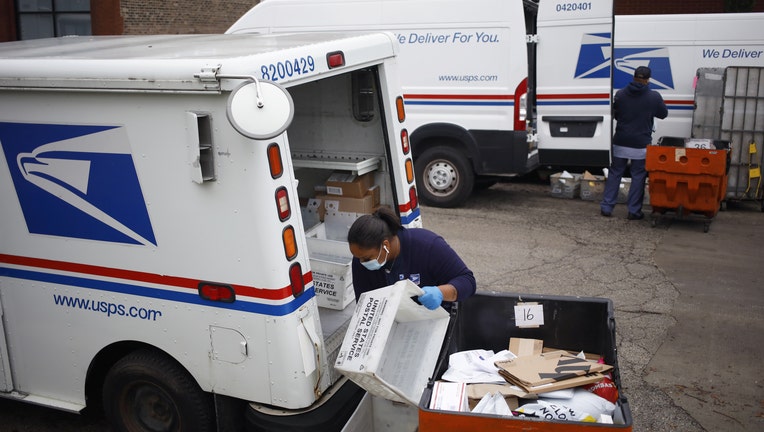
164,206
502,87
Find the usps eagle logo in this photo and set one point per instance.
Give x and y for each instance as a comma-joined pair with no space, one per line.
77,181
594,59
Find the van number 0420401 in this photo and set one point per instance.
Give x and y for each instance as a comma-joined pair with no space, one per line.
573,7
288,68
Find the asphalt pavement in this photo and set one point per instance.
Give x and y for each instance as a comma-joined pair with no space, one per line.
689,305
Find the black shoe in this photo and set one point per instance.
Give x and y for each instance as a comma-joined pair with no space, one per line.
635,216
604,213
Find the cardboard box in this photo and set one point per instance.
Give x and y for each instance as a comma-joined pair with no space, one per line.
551,371
375,193
392,343
336,203
592,187
330,263
565,185
348,184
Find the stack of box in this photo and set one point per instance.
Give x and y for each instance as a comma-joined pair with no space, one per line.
350,193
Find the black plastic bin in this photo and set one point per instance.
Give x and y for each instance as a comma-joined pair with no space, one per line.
487,321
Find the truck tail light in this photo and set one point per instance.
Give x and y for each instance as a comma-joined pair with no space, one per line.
409,170
405,141
295,279
274,161
335,59
282,204
521,105
399,109
216,292
290,242
413,200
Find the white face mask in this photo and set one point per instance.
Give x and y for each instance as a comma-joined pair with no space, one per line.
375,264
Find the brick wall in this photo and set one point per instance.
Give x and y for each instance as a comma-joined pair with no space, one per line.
181,16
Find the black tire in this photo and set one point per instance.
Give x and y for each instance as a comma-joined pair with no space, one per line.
147,391
444,176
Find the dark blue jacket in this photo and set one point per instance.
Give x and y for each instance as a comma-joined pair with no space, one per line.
425,258
635,106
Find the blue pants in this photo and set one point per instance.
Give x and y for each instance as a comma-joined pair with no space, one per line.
613,183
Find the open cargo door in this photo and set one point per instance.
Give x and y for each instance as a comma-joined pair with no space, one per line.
573,72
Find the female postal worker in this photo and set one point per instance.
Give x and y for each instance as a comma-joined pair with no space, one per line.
384,252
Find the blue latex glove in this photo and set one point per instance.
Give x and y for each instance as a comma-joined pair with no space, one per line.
432,297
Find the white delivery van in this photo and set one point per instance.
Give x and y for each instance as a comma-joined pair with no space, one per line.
501,87
163,202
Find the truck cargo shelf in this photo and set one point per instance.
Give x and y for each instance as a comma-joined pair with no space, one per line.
357,164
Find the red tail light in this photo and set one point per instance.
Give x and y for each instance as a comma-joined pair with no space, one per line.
413,200
295,279
216,292
405,141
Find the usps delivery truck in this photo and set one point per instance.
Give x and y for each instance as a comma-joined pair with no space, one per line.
164,208
501,87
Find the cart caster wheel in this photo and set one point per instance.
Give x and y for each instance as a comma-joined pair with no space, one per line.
705,227
653,222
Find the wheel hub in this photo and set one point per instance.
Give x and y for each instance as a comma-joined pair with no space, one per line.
441,177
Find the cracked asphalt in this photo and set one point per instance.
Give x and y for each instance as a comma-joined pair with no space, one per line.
688,304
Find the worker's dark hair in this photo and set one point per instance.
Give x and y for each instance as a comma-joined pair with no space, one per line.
370,230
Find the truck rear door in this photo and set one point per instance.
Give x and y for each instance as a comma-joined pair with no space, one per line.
573,72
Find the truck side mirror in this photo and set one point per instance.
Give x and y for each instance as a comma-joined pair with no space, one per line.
260,109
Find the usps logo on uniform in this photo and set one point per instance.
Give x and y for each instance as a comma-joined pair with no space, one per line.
594,62
77,181
415,278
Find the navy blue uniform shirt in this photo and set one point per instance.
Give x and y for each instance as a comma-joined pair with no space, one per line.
425,258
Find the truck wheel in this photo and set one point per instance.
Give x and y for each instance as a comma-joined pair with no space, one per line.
444,176
147,391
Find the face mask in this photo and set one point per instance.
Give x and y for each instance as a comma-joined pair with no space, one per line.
375,264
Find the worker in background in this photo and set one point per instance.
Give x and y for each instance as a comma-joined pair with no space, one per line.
384,252
634,107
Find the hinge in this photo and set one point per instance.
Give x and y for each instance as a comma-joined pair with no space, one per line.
208,74
532,137
531,38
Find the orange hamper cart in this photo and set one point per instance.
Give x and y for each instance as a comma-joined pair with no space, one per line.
687,181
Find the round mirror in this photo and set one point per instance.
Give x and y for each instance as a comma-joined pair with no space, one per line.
263,115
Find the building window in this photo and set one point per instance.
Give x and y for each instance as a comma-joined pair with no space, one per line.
52,18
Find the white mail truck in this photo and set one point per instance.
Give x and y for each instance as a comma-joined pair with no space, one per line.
165,201
502,87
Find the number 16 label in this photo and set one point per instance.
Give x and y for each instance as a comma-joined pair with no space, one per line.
529,315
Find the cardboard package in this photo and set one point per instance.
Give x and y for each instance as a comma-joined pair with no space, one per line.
348,184
330,263
538,372
392,343
336,203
